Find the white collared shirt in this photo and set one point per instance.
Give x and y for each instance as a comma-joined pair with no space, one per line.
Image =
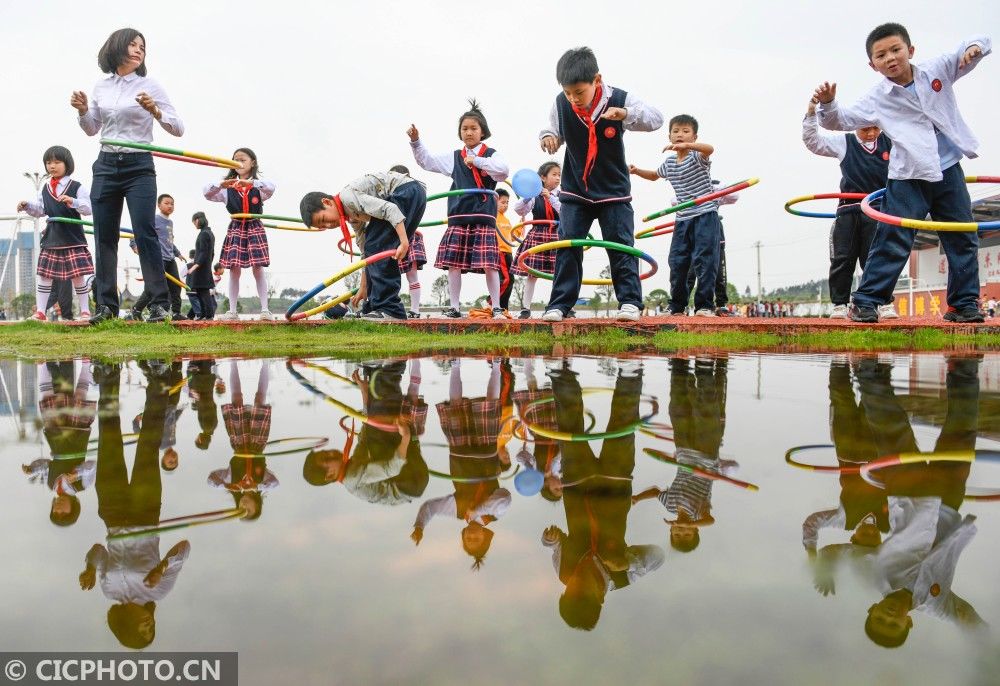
444,163
36,208
640,117
910,117
116,115
216,193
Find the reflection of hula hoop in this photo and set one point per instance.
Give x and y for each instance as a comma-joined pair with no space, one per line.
343,407
714,476
658,230
266,217
313,442
817,468
703,199
521,434
582,243
291,315
462,191
123,231
192,160
913,458
182,523
502,476
127,439
820,196
222,161
926,225
566,436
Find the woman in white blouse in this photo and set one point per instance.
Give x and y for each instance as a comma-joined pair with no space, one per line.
123,107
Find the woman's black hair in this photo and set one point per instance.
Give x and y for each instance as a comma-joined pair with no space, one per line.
254,170
200,220
477,114
114,52
60,154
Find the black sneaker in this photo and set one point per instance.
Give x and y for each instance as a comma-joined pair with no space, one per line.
452,313
723,312
379,316
524,314
498,313
865,315
969,315
570,315
157,314
103,314
133,316
410,314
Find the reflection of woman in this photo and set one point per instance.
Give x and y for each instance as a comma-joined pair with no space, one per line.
124,107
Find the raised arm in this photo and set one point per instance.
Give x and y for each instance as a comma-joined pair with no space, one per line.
818,142
641,116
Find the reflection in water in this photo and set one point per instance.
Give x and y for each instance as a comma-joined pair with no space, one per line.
522,465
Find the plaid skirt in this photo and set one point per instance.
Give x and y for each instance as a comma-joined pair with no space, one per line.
470,248
542,415
245,245
66,411
64,263
542,261
248,426
470,422
417,256
415,414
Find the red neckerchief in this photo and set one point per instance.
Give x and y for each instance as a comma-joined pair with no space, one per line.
343,226
587,116
52,184
549,212
475,172
244,196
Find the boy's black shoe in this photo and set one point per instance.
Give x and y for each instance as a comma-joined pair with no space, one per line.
452,313
157,314
969,315
103,314
133,315
865,315
722,312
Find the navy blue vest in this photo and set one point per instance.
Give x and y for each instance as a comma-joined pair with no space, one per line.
862,171
608,179
59,234
486,204
235,205
538,210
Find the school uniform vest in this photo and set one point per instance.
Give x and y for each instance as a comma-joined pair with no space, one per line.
608,178
471,495
862,171
485,204
59,234
240,203
538,210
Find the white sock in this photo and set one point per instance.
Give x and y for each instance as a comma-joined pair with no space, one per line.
82,293
493,286
455,287
455,381
234,288
262,381
258,276
43,289
493,386
529,292
413,277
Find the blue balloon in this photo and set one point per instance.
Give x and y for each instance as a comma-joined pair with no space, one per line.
529,482
526,183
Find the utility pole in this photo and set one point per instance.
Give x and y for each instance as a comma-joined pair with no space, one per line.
36,180
760,291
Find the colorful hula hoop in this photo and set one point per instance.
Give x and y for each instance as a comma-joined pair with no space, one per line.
313,442
265,217
520,432
445,222
664,457
339,300
829,469
342,246
123,231
820,196
926,225
583,243
291,316
221,161
191,160
285,227
461,191
914,458
194,520
658,230
740,185
566,436
168,278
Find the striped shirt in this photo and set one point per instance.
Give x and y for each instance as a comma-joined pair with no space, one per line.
689,493
691,179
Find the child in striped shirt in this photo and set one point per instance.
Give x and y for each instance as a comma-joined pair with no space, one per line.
697,232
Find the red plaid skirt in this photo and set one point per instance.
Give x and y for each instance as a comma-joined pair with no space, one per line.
542,261
469,248
542,415
65,411
466,423
248,426
415,414
417,256
245,245
64,263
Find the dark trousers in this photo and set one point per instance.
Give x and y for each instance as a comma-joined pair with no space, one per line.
383,276
195,301
850,242
695,245
206,303
945,200
173,291
721,294
62,295
506,279
120,178
617,225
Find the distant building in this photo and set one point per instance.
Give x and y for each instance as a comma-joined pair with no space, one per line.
20,274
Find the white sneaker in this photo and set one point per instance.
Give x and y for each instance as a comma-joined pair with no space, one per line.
839,312
887,311
498,313
229,317
266,316
552,316
628,313
705,312
630,367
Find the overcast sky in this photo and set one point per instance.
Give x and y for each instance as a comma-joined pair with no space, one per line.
324,93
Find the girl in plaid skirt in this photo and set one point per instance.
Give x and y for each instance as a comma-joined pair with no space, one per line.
470,242
543,207
245,245
64,253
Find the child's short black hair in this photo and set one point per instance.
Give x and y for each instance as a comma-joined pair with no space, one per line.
546,167
254,169
474,113
217,266
70,517
683,120
400,169
886,31
313,469
191,253
310,204
60,154
502,193
161,196
200,220
114,52
578,65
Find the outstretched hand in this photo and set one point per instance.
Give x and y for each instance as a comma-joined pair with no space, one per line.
550,144
970,54
825,92
615,113
413,133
